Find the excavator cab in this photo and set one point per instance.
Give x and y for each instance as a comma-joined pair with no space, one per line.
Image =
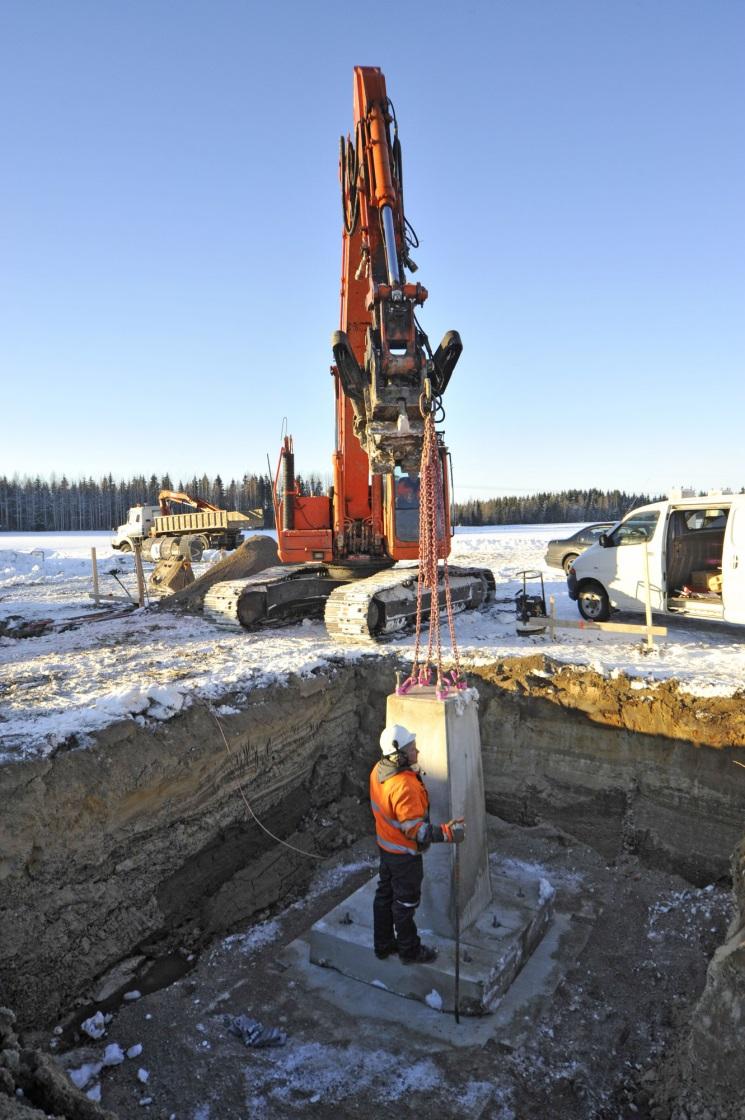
403,507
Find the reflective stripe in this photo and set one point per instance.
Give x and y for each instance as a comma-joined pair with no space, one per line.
401,825
411,905
390,847
406,794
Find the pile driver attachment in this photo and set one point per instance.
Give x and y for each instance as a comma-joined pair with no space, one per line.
382,355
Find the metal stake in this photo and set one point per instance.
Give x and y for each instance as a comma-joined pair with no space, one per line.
456,891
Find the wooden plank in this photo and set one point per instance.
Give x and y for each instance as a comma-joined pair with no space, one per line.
140,574
94,564
611,627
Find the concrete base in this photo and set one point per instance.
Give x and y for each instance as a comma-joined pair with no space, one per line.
494,948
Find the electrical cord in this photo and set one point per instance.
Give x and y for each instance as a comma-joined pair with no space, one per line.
279,840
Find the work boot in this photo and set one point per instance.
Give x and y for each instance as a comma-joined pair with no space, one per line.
423,954
388,951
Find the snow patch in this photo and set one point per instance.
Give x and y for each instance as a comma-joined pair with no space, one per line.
95,1027
113,1055
63,686
84,1074
545,890
256,938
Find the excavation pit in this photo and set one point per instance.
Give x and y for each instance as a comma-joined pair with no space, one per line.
624,798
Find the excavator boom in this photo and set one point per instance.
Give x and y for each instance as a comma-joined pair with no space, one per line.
166,497
382,356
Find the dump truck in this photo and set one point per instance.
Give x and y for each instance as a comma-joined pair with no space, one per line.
164,534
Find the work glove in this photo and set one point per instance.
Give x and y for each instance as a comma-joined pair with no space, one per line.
454,831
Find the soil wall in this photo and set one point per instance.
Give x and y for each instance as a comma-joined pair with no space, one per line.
619,764
107,850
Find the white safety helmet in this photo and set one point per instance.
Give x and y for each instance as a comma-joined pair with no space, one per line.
395,738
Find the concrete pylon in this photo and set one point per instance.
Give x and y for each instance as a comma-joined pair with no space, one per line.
447,734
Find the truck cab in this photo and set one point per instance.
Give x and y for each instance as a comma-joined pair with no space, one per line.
137,526
683,554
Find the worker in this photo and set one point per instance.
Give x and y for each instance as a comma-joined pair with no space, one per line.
400,806
407,493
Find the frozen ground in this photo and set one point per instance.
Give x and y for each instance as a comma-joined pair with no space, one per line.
583,1051
144,666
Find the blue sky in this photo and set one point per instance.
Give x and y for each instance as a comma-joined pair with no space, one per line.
170,232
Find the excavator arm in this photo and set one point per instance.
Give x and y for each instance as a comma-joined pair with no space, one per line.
382,356
166,497
384,365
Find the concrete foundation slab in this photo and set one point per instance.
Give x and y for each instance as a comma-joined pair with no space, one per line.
494,948
512,1017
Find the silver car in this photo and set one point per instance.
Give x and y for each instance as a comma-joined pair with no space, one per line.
562,552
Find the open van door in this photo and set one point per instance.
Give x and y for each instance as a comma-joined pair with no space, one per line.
733,565
622,556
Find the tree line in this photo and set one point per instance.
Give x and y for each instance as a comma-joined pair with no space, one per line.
534,509
63,505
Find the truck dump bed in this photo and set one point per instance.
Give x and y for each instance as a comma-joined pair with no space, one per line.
200,521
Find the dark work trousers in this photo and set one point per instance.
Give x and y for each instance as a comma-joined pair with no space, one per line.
396,899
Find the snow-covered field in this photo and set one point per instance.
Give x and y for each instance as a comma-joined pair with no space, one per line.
145,666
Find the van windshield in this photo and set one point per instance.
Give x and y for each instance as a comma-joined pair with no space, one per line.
636,529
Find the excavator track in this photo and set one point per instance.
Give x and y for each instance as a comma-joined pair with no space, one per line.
276,596
383,606
359,612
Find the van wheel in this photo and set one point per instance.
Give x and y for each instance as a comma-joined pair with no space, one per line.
593,602
125,546
568,561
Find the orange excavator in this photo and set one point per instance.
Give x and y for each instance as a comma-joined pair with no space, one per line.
338,550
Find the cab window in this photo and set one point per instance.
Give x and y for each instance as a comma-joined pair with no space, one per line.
636,529
698,520
406,504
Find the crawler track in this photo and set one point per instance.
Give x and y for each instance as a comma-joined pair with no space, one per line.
359,612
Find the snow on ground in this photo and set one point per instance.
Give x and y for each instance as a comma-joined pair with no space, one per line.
145,667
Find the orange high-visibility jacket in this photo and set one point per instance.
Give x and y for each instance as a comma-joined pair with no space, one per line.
400,805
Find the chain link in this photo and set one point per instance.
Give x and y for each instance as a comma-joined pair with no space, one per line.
432,519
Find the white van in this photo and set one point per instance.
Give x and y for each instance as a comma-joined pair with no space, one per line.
693,547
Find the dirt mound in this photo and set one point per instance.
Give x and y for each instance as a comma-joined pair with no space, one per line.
255,554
